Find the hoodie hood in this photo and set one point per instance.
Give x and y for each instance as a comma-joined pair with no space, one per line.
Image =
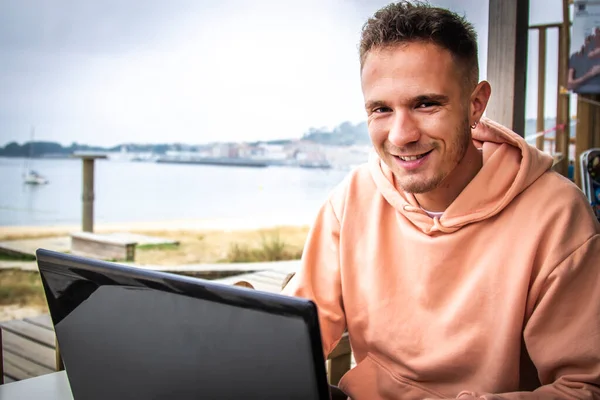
510,165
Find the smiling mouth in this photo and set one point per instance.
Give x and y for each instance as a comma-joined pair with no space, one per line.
414,158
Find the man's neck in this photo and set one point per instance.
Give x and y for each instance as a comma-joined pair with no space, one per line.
440,198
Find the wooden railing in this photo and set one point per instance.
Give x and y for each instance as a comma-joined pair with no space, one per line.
541,89
562,140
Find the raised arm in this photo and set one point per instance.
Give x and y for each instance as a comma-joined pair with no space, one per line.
319,277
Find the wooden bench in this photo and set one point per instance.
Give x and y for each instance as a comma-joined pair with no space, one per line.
105,247
28,348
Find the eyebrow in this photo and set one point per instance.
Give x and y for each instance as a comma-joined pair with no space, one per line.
438,98
372,104
423,98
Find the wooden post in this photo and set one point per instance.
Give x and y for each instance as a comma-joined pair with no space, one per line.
588,129
582,142
1,359
87,197
581,137
60,366
563,114
540,123
595,131
507,62
339,361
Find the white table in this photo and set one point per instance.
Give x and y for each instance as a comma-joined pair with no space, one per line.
54,386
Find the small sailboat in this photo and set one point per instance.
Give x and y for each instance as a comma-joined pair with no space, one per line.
32,177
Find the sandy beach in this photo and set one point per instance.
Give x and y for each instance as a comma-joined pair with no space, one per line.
200,241
172,226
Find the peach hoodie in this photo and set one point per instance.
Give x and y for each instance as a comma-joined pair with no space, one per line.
459,306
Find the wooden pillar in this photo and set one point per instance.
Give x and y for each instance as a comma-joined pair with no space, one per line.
541,100
563,113
60,366
87,196
595,131
507,62
340,360
582,142
1,359
588,129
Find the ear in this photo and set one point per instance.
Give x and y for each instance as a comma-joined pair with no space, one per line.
478,101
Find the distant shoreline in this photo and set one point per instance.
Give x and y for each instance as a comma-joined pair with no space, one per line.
192,225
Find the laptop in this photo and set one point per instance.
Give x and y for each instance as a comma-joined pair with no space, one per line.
129,333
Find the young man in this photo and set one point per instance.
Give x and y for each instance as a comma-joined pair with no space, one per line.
460,264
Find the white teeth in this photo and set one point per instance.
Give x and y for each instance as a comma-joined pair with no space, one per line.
412,158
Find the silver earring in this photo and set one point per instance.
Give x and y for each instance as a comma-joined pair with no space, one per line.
474,125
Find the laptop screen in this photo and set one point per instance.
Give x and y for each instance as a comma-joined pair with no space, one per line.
122,337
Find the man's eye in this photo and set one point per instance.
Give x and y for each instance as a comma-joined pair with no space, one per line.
428,104
379,110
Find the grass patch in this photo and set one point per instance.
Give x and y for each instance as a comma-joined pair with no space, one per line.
24,288
21,287
158,246
213,246
16,257
271,248
197,247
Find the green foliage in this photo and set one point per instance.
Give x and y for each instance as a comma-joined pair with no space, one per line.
159,246
21,287
16,257
271,248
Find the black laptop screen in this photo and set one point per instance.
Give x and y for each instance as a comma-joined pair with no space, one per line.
122,341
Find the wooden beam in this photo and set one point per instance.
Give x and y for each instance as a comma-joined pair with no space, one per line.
507,62
563,113
541,102
339,361
595,131
587,129
583,131
546,26
1,360
87,197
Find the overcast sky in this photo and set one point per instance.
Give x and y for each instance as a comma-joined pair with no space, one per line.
194,71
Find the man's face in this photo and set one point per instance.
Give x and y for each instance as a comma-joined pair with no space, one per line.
418,112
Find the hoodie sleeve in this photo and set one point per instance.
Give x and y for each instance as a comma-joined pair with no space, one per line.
563,334
319,277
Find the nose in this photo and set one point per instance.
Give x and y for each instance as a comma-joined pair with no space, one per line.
403,130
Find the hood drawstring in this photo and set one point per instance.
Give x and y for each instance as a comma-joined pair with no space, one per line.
438,226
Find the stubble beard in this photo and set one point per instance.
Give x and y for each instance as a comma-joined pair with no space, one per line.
415,183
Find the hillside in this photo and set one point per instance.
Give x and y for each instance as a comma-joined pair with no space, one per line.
345,134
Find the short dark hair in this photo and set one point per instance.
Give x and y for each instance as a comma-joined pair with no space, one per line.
405,22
